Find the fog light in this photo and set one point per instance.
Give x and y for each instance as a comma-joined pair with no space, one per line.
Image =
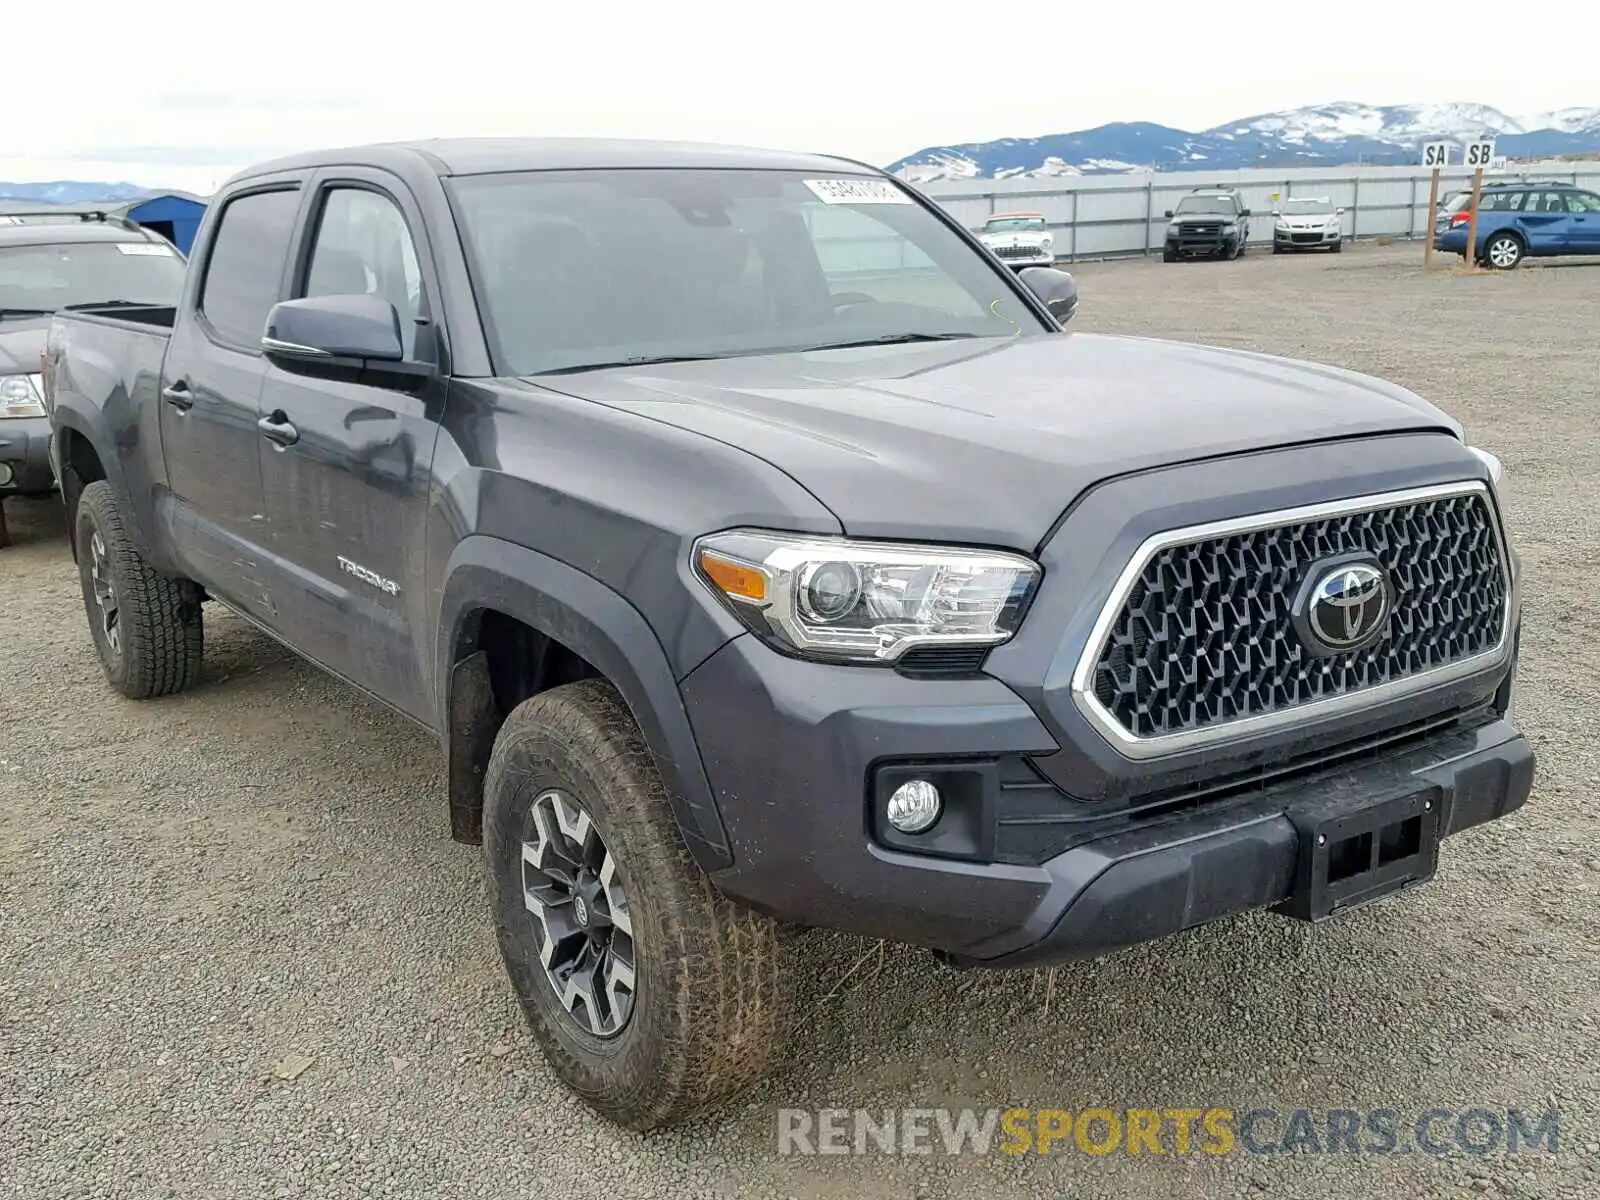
914,806
6,475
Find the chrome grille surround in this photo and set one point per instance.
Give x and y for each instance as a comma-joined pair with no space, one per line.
1223,731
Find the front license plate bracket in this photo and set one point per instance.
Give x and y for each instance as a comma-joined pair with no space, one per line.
1350,858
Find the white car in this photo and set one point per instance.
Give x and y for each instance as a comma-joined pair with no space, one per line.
1021,239
1302,224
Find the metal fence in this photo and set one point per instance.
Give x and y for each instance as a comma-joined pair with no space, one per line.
1107,216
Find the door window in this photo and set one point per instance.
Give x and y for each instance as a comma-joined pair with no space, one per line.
364,247
1583,202
244,272
1551,202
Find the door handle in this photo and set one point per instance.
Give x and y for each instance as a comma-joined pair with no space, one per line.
278,429
179,395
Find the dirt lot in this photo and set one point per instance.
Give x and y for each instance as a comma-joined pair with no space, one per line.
194,890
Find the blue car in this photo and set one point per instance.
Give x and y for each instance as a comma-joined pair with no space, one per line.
1516,220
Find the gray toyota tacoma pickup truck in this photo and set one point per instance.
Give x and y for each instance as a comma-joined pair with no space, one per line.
764,553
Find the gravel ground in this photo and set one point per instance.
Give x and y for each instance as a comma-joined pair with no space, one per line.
194,892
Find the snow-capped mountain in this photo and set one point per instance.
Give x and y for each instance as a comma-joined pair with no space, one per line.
71,191
1320,135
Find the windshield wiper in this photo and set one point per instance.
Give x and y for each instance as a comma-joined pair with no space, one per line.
641,360
107,304
25,312
895,339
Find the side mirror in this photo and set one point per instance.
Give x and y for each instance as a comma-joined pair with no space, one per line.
1169,214
1338,212
1244,212
1057,290
1277,212
328,329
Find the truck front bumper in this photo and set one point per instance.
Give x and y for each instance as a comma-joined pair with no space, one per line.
25,456
802,759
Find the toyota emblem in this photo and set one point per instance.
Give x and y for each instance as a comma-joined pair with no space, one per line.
1348,605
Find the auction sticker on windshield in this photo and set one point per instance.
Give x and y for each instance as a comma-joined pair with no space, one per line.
144,248
857,191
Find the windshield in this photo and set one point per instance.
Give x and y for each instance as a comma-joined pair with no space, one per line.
579,269
49,277
1007,224
1215,205
1307,208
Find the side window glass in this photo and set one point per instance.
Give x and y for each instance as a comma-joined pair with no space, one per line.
245,268
363,247
1583,202
1553,202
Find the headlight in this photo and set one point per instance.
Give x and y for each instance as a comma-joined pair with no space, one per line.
21,396
1174,226
864,601
1045,242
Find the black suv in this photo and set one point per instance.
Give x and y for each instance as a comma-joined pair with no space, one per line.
1210,222
48,262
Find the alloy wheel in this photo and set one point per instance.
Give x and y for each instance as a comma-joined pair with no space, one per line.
105,594
1504,253
574,890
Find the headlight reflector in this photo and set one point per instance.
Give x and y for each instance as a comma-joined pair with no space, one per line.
834,598
21,396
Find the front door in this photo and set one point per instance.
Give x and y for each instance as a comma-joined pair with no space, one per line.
1584,208
347,499
210,387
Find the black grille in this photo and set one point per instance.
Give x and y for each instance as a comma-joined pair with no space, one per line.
1205,635
1197,230
1019,251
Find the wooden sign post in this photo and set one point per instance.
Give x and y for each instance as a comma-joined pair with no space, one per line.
1435,156
1479,155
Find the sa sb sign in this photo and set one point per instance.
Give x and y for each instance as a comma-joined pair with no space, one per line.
1436,155
1480,155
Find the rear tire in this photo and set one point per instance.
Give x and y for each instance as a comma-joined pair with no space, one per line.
652,995
1503,252
147,627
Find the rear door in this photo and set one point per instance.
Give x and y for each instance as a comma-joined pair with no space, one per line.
211,383
1546,221
347,501
1584,208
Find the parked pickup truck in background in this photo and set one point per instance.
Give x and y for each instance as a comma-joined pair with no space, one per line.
750,583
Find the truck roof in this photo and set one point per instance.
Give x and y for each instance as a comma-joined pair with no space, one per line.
480,156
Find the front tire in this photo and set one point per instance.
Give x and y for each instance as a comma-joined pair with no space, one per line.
1168,255
147,627
652,995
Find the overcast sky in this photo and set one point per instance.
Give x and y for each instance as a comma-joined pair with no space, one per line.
181,95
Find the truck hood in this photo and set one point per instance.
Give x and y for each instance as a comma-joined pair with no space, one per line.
987,441
21,342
